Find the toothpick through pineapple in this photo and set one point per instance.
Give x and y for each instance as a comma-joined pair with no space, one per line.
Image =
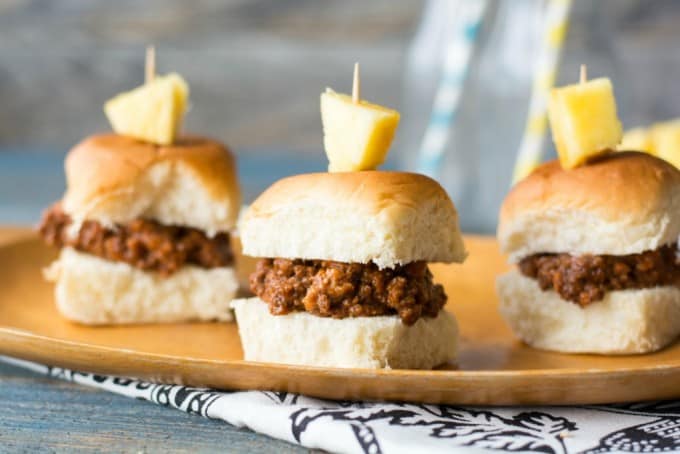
152,112
583,120
357,134
583,75
150,64
356,85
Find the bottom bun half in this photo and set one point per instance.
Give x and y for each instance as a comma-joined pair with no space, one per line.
95,291
363,342
624,322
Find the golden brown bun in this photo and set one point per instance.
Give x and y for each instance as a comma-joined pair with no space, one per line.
114,179
388,218
623,203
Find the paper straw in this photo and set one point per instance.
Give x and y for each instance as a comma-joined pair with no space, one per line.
459,47
530,152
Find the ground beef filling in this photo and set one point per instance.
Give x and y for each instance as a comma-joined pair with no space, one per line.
339,290
144,244
585,279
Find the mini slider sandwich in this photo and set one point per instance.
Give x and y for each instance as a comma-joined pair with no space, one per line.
594,237
144,224
343,278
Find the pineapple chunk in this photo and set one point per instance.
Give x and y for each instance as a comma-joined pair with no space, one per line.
152,112
637,139
583,120
666,140
356,135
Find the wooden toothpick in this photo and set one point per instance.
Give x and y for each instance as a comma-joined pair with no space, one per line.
583,76
356,85
150,64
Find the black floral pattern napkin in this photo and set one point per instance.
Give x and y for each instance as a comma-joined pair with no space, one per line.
385,427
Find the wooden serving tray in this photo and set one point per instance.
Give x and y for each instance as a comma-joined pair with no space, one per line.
494,367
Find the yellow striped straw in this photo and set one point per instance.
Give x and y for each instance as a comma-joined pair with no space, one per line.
530,152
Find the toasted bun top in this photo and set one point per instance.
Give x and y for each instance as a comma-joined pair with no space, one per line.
388,218
619,204
115,179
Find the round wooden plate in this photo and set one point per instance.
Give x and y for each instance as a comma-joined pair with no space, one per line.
494,368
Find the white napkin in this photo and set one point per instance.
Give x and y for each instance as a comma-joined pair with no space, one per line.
384,427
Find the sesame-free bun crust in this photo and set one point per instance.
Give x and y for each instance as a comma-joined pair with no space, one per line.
388,218
115,179
624,322
619,204
94,291
366,342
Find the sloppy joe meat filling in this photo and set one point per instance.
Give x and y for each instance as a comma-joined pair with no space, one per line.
585,279
141,243
339,290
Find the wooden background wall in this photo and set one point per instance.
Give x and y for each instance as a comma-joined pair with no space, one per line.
256,67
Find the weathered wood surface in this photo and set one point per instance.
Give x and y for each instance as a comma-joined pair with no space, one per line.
46,415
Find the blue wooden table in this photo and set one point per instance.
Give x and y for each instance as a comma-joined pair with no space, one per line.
39,413
42,414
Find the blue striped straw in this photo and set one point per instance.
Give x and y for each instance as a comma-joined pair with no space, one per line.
459,47
530,152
